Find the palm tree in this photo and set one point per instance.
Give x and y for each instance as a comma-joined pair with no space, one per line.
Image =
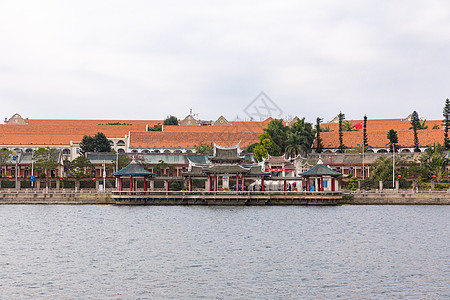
435,161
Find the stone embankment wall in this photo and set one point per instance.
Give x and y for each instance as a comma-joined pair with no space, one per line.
398,199
51,198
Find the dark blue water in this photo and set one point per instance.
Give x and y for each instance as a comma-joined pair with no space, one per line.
101,252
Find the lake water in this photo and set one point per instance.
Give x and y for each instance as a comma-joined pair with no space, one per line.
111,252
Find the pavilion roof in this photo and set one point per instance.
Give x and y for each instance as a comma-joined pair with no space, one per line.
133,169
321,170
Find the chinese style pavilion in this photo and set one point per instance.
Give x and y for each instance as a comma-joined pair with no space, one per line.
133,172
226,165
321,178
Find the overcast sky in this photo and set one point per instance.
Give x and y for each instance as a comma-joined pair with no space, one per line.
148,59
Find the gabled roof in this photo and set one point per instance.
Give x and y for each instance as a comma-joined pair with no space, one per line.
133,169
320,170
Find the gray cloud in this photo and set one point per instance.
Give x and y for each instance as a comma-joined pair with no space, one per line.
146,59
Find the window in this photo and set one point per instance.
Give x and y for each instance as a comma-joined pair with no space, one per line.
121,151
121,143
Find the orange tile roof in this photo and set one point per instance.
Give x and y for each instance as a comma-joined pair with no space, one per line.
188,140
378,139
384,124
61,132
248,127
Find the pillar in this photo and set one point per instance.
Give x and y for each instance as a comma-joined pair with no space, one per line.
285,186
215,182
207,184
97,183
120,184
145,184
243,183
432,184
307,184
131,183
166,185
152,185
380,184
237,182
190,184
262,184
396,186
332,184
58,184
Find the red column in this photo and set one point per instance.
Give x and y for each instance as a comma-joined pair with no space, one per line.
332,184
307,184
262,184
120,184
321,184
131,183
285,186
214,182
243,183
190,184
167,185
145,184
237,182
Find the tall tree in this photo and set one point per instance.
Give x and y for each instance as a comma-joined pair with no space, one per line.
5,155
265,147
304,132
46,159
87,144
365,141
341,118
278,133
97,143
171,120
393,139
319,147
446,121
415,125
101,143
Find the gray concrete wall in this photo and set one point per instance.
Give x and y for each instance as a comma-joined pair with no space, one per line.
399,199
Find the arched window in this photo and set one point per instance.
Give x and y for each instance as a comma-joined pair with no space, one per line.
28,150
382,151
166,151
120,151
66,151
134,151
178,151
121,143
406,150
111,143
156,151
188,151
146,151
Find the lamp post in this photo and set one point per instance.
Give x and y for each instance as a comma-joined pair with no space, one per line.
104,177
393,166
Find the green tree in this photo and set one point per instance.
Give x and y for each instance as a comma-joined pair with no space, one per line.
123,161
393,139
46,159
341,118
415,125
278,133
101,143
319,148
266,147
347,126
97,143
365,141
171,120
250,148
446,123
353,183
5,155
434,161
305,135
78,167
87,144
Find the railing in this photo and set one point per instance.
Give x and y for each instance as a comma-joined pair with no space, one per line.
54,191
221,193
